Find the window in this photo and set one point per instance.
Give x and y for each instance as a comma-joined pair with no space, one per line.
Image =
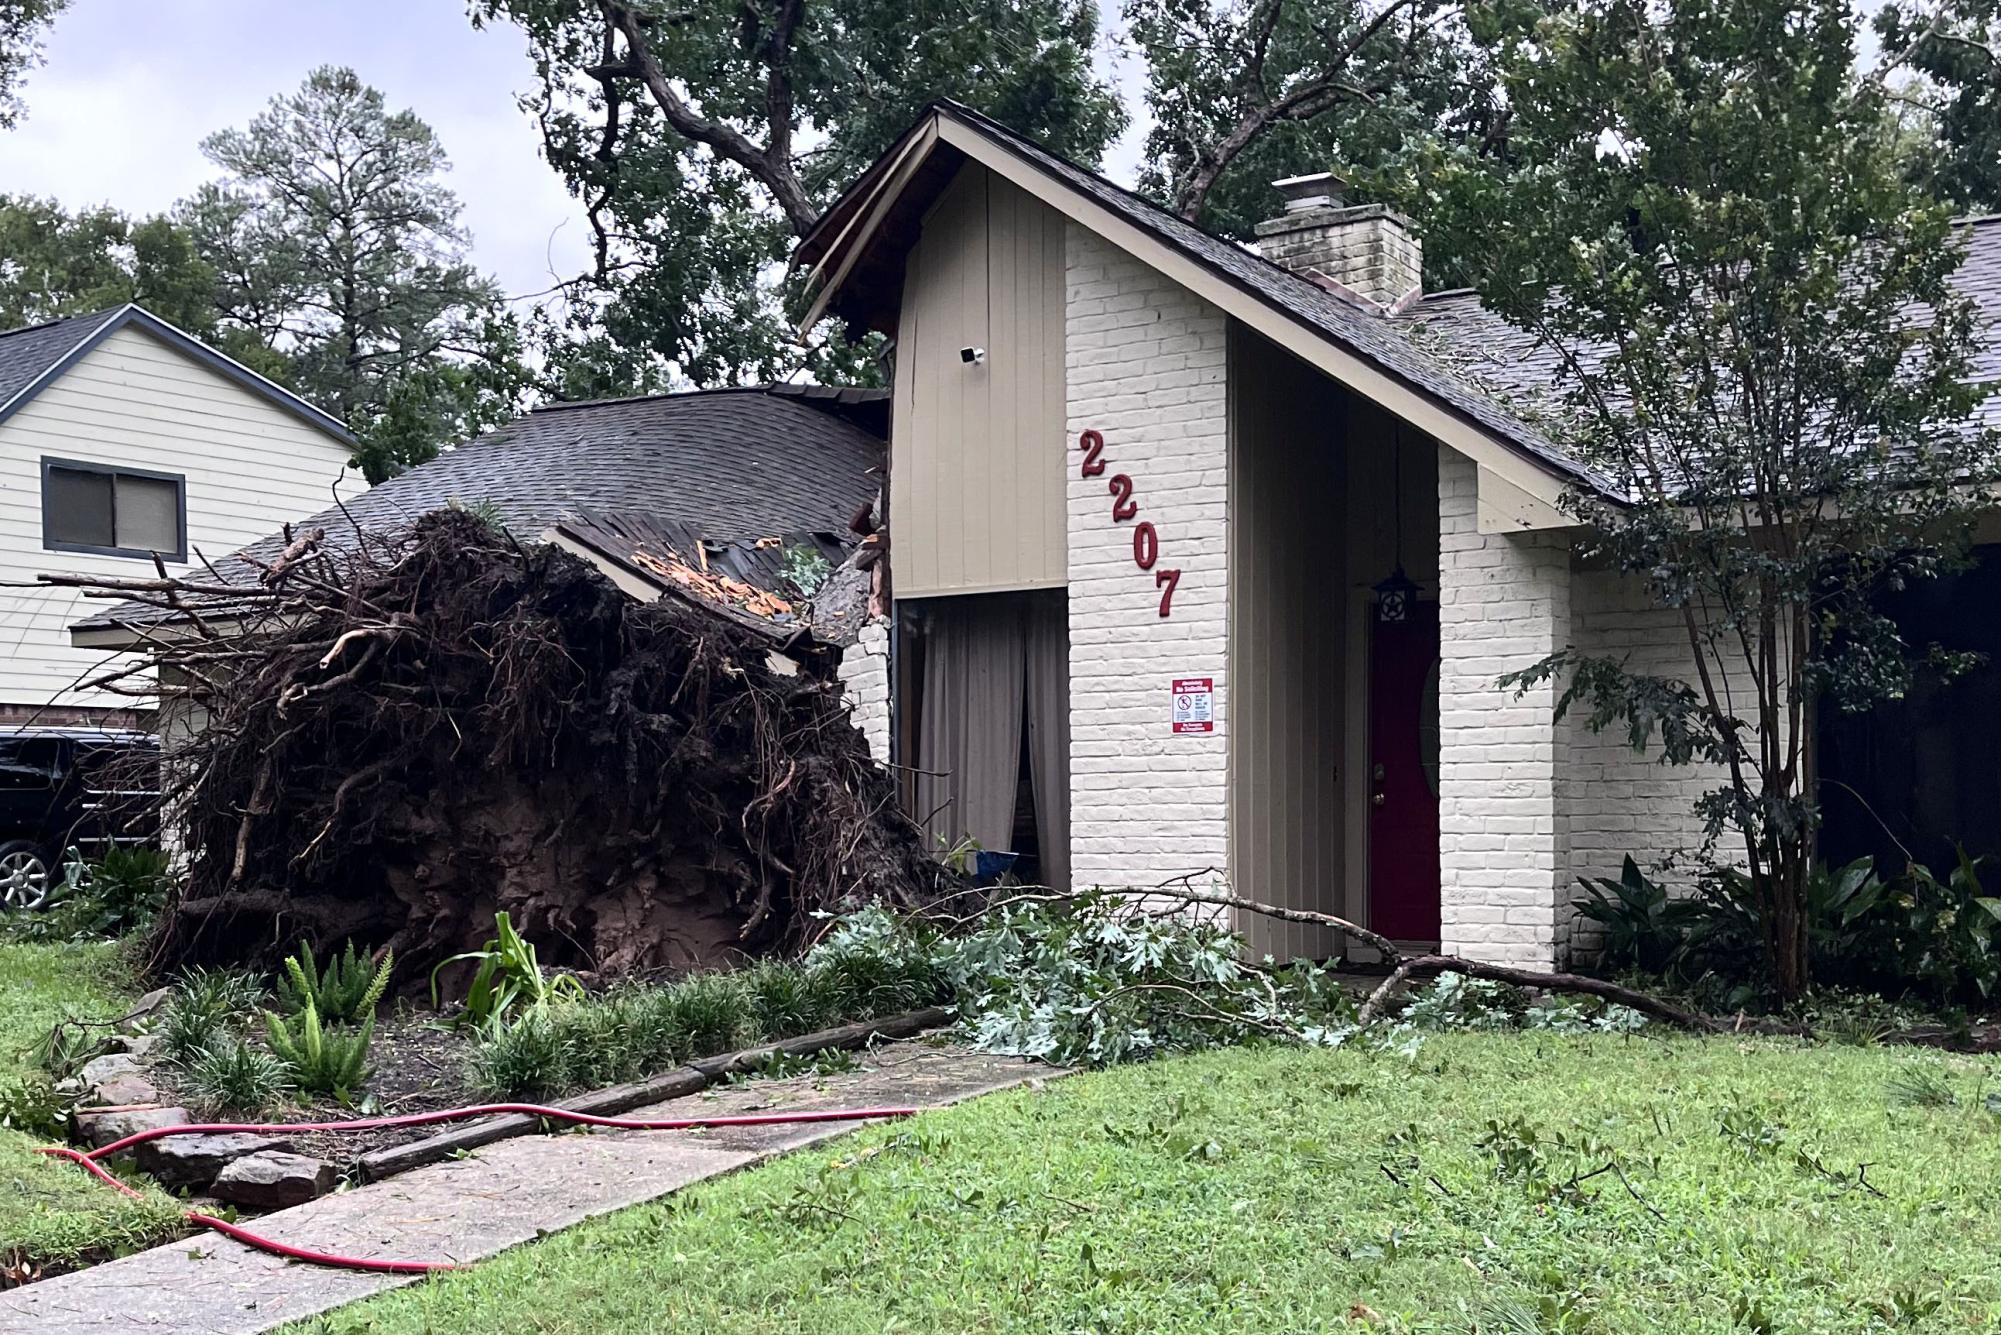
113,511
28,764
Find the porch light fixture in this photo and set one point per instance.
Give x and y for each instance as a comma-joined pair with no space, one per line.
1395,596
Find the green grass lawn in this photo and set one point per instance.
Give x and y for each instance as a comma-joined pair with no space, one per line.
1286,1190
51,1213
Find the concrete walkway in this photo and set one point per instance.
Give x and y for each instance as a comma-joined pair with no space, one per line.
506,1194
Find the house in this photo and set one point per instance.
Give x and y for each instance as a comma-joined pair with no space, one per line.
122,441
701,494
1206,562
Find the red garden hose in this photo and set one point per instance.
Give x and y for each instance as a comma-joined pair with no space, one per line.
90,1160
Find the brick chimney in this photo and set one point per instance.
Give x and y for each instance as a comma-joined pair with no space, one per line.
1365,251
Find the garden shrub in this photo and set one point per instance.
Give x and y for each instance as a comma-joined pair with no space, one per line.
1644,926
121,894
231,1075
509,980
1919,933
528,1059
711,1012
787,1000
320,1059
1944,936
874,963
868,967
31,1104
206,1006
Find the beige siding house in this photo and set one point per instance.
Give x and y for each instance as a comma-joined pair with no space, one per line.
1211,573
122,438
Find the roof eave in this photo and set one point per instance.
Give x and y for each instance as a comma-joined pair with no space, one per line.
854,225
187,344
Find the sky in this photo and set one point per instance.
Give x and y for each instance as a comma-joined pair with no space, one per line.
131,87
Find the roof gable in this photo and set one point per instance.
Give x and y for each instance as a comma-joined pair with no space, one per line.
34,358
860,240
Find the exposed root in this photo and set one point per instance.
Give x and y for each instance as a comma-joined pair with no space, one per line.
449,723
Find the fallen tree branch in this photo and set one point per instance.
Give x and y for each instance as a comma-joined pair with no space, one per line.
1283,913
1406,967
1583,984
296,550
1176,889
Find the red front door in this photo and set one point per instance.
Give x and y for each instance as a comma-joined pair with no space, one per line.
1403,776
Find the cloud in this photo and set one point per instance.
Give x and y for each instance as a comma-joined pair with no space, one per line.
130,89
132,86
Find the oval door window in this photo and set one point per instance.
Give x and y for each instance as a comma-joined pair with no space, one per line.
1427,728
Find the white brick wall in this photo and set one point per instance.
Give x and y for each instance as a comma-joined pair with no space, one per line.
1504,602
865,686
1618,801
1147,368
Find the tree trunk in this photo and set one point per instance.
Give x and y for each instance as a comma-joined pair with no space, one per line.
1786,934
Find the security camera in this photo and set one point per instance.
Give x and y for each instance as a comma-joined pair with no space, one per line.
972,356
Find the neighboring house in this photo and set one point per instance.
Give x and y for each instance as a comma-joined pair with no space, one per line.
1206,562
703,492
123,439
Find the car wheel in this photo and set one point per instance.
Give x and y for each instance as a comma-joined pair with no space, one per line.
25,876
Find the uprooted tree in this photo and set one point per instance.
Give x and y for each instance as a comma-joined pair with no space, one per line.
401,738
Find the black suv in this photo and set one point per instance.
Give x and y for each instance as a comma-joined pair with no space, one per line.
63,788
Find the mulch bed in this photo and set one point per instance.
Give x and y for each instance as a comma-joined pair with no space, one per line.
418,1064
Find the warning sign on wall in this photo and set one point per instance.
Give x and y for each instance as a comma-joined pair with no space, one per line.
1194,700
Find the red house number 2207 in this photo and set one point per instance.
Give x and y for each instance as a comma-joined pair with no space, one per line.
1146,539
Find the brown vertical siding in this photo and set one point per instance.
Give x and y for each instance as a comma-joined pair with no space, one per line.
1288,640
977,452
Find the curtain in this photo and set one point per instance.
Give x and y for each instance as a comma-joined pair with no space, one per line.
969,740
993,666
1047,634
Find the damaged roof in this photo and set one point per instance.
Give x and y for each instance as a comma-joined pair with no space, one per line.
746,579
727,464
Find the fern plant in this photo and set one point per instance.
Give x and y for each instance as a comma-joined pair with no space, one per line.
321,1059
349,988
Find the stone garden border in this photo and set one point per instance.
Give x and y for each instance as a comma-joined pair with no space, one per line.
690,1079
258,1172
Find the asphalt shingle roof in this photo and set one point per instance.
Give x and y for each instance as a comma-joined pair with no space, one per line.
1513,364
738,463
27,354
730,464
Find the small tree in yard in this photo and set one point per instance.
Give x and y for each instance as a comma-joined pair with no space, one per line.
1708,214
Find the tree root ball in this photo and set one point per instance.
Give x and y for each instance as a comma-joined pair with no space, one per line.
404,740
